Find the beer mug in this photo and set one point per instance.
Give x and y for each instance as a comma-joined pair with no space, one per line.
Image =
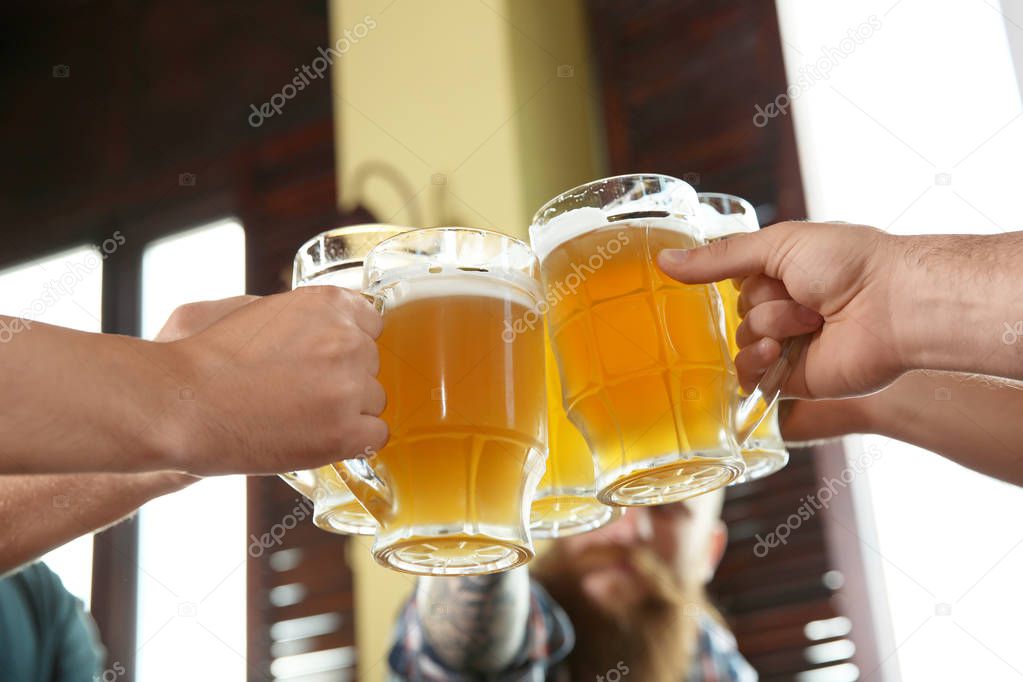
335,257
466,406
645,368
566,502
721,216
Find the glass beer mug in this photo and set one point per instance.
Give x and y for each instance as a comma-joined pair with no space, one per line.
566,501
721,216
466,405
645,367
335,257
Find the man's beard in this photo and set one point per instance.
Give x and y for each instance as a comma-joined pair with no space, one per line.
654,637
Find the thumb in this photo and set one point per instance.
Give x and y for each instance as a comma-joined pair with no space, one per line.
738,256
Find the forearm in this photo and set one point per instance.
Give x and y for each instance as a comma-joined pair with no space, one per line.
72,401
973,420
475,624
957,303
39,513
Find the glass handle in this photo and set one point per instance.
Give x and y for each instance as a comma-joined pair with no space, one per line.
369,489
752,409
296,480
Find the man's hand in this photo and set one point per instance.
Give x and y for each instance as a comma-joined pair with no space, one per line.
191,318
274,384
876,305
826,279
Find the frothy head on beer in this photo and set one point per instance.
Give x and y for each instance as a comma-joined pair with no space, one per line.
416,282
722,215
634,199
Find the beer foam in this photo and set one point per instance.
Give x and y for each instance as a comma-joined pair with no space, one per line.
560,229
571,224
446,281
715,225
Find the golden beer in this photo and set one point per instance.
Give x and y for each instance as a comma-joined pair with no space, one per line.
566,501
335,258
465,403
647,377
764,451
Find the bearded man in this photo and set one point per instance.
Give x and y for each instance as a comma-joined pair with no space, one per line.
627,600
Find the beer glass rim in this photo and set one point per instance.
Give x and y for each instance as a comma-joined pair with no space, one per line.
458,228
744,203
538,218
302,257
745,220
515,255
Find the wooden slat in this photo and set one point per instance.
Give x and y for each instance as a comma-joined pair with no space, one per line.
323,602
781,639
340,638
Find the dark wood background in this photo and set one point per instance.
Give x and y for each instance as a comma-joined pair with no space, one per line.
133,116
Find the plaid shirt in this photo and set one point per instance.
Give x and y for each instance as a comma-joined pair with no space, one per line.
549,640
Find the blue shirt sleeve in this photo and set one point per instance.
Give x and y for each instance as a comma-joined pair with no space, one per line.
45,634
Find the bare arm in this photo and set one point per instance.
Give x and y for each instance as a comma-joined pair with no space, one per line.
73,401
268,384
973,420
41,513
476,624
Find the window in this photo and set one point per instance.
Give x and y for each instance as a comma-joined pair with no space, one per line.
916,128
63,289
192,547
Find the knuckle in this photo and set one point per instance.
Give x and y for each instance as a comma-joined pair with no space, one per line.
719,248
349,389
186,317
348,338
336,297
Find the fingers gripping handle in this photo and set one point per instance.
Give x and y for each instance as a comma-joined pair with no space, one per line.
362,479
752,409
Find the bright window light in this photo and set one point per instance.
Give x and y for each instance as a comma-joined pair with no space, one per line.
192,549
917,129
64,289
